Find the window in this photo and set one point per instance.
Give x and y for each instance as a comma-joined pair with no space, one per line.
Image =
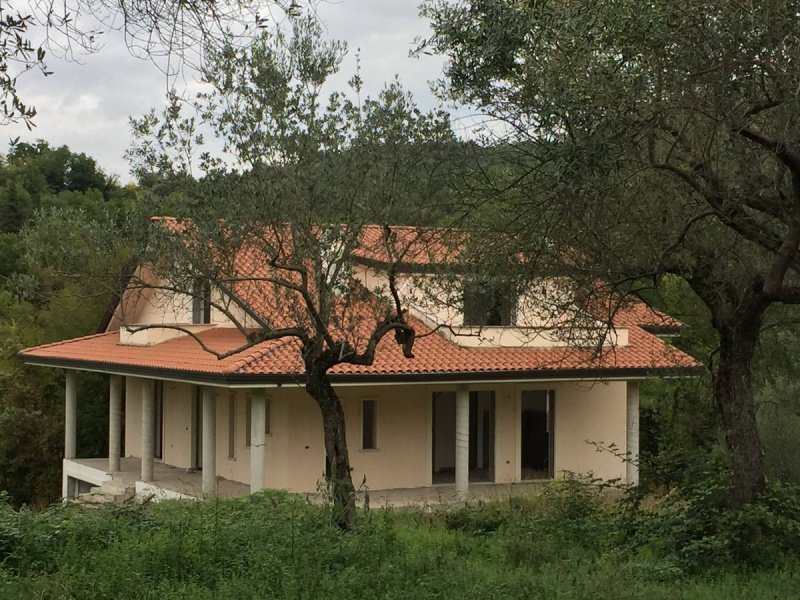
201,302
369,425
487,304
232,426
158,421
249,430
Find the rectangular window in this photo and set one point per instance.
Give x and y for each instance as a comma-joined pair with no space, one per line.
201,302
487,305
232,426
158,421
248,433
369,425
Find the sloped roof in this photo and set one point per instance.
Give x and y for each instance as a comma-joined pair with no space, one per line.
435,358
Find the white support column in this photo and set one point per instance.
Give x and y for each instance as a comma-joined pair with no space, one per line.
70,415
114,422
462,442
632,437
209,443
258,418
148,429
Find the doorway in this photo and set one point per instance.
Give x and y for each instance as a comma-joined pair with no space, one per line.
197,427
537,443
158,419
481,436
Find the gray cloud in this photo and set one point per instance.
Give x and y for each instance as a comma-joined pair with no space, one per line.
86,106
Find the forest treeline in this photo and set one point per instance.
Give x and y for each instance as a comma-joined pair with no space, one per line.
40,305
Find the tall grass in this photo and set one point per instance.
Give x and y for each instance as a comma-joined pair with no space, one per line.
567,543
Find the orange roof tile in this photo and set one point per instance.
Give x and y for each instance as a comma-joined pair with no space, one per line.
434,356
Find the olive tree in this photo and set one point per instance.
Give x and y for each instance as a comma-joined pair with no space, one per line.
303,176
169,33
658,139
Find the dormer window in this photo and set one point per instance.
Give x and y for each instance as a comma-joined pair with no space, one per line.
488,305
201,302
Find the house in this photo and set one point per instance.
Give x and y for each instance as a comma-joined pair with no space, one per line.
493,395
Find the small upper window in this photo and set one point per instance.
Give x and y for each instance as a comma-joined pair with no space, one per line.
487,305
201,302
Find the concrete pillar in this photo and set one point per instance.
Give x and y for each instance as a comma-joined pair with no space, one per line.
632,437
258,417
148,429
70,415
462,442
114,422
209,443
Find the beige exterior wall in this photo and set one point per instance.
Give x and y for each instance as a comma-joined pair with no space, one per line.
403,456
434,303
133,417
178,398
295,454
590,412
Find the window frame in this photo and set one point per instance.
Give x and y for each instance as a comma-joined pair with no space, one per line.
232,413
201,302
374,425
497,299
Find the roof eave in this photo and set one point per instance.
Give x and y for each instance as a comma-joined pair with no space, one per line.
277,380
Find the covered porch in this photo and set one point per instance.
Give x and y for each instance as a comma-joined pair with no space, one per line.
148,472
173,483
411,445
169,482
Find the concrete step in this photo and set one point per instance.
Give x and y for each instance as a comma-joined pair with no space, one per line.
109,491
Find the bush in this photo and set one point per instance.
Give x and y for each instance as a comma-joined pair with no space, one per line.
695,529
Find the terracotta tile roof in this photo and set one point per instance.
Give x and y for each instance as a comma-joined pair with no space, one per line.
639,314
433,355
410,245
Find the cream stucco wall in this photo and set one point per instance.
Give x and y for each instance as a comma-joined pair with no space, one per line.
590,412
178,399
435,303
295,455
133,417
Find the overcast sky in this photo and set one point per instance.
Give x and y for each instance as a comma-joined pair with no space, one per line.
86,106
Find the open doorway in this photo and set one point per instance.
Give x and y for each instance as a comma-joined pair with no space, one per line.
481,436
197,427
536,447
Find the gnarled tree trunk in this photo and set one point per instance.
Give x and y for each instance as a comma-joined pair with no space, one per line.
733,393
338,460
737,317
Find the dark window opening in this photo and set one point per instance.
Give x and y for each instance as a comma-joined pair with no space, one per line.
201,302
481,436
487,305
158,421
232,426
537,442
369,425
197,431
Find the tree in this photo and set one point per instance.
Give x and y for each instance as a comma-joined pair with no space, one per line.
658,138
173,31
39,304
305,177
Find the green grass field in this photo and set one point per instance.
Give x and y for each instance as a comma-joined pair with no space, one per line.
565,544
